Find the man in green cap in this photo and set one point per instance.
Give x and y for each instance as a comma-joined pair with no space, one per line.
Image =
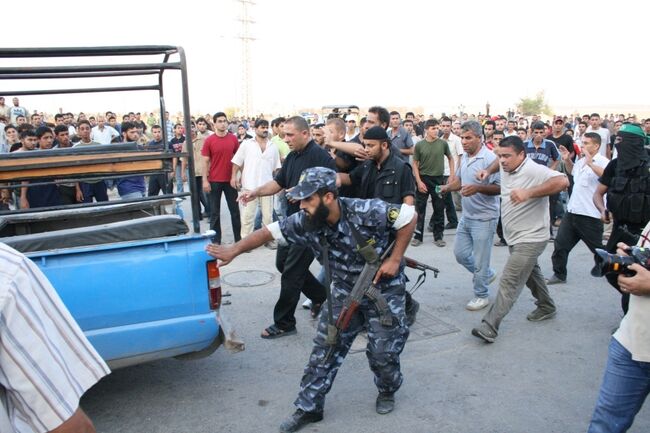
626,181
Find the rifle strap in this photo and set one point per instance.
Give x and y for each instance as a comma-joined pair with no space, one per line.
331,326
421,279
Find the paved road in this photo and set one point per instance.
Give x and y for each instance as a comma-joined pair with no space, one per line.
537,378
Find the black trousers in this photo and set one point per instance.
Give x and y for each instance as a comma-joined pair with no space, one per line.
628,234
68,194
500,231
203,197
575,228
157,183
438,202
216,189
293,263
94,189
450,210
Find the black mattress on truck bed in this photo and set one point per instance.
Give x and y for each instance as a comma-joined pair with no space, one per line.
23,223
132,230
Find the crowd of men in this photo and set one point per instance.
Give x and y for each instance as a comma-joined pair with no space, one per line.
349,190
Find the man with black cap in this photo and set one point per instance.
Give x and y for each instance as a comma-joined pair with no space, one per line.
333,229
626,181
385,176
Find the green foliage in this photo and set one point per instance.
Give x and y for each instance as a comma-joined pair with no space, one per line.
536,105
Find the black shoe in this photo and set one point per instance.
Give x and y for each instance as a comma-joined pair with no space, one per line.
412,312
299,419
450,226
385,402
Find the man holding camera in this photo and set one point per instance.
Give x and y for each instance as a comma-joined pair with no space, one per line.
626,382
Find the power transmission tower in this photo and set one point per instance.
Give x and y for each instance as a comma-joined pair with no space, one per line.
246,39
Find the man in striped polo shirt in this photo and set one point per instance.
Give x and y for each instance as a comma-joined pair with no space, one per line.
46,362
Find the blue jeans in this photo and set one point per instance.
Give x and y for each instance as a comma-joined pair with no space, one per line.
135,194
473,248
258,218
179,178
625,386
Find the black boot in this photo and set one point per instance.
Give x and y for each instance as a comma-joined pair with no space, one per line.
299,419
385,402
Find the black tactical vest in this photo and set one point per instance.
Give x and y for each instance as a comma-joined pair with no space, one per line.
628,196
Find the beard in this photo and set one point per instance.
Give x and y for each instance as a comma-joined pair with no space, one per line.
318,220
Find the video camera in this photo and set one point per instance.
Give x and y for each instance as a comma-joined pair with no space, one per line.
607,263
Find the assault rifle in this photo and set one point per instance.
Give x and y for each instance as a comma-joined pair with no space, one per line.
364,286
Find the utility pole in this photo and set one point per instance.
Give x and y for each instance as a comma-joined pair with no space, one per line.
246,39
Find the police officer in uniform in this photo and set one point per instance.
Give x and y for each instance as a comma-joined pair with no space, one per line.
626,182
332,227
385,175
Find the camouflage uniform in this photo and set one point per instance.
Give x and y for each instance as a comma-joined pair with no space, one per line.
374,220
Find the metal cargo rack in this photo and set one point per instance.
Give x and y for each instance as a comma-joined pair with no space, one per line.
104,161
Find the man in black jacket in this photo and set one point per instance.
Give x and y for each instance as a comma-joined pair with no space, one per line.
385,175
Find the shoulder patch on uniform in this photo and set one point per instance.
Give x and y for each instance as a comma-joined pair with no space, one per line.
393,213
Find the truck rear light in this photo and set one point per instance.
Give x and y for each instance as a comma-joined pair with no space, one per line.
214,284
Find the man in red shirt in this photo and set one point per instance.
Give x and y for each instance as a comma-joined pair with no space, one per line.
218,150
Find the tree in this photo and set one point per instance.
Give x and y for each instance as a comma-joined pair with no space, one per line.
536,105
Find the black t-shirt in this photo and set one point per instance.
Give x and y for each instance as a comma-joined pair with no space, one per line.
296,162
352,163
245,137
563,140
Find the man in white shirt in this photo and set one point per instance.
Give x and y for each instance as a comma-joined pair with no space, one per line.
512,128
103,133
582,220
351,129
257,159
16,110
594,126
452,201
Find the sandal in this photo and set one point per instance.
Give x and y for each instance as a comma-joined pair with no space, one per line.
315,310
275,332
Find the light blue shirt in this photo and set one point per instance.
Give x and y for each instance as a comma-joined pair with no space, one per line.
479,206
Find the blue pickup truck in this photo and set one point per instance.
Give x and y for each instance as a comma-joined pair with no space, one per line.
133,273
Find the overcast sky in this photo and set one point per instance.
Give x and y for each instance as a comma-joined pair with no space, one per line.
433,55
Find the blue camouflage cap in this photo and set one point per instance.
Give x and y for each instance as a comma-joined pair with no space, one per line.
312,180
